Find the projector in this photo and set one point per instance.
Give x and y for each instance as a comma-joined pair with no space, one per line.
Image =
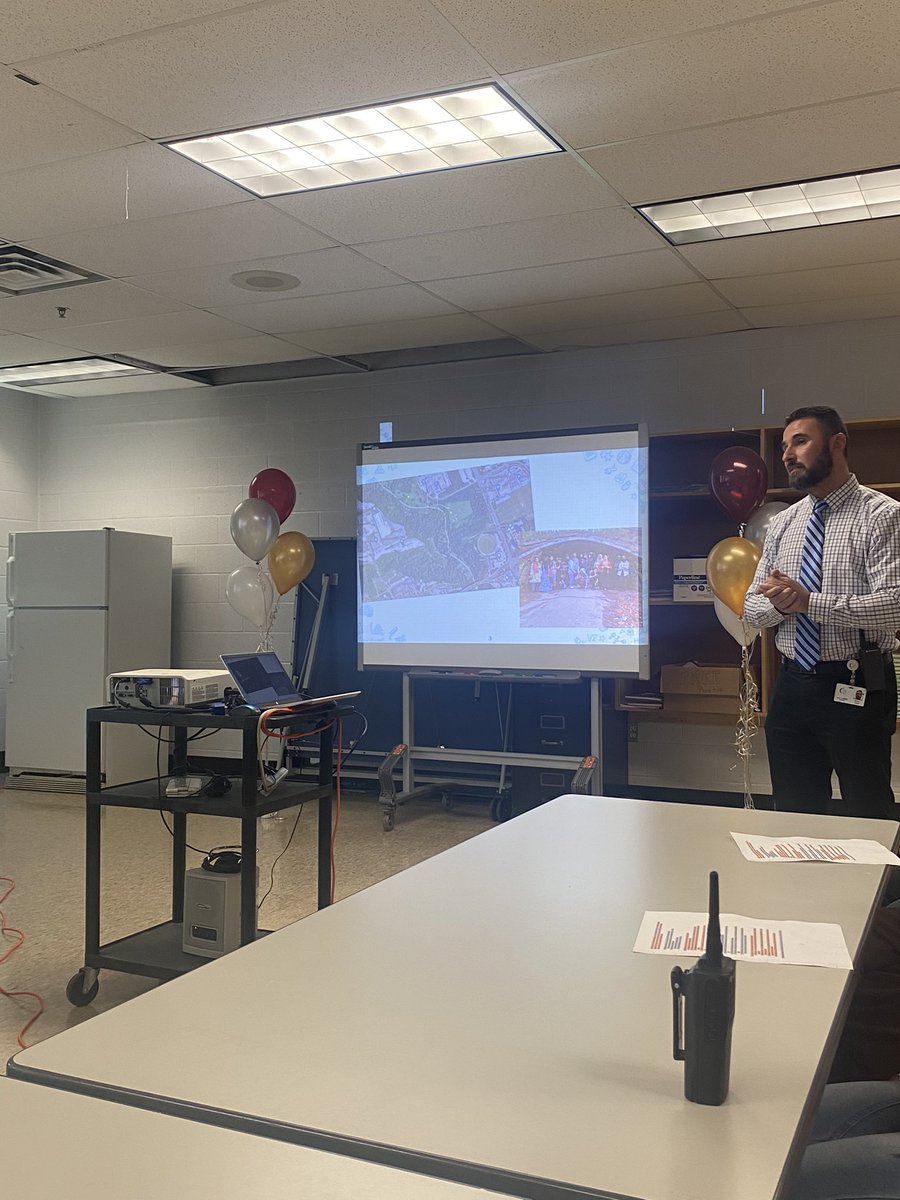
166,687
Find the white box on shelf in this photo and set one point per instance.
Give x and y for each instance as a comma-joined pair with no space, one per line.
689,584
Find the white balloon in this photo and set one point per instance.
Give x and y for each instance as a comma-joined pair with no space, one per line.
250,594
743,633
758,524
254,528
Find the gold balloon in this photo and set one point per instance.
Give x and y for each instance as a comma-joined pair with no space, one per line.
290,560
730,568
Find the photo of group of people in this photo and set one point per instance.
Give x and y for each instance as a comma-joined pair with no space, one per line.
579,583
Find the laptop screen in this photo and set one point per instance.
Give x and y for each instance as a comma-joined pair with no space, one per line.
261,678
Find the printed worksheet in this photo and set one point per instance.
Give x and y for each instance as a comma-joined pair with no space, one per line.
749,939
804,849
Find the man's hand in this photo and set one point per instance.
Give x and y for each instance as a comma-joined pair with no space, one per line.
784,593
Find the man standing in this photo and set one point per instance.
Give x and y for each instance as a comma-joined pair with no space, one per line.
829,579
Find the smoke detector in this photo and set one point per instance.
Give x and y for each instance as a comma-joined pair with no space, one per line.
265,281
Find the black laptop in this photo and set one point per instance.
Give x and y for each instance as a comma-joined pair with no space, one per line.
264,683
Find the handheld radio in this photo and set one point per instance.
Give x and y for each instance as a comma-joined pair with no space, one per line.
703,1014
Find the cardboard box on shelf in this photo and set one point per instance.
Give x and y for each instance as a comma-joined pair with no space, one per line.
687,703
689,583
700,679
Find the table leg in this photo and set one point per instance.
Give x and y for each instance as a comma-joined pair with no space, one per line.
326,814
248,880
179,862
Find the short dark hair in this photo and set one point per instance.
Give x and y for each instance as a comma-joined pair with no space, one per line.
828,418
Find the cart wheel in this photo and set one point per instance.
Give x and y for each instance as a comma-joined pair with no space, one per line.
501,807
387,820
75,993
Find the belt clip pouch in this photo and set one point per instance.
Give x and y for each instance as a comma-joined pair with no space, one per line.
871,660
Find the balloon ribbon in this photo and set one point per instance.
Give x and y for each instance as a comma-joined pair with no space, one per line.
748,723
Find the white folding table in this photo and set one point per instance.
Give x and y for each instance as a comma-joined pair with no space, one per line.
59,1144
482,1016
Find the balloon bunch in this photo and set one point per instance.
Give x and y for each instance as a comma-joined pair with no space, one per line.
255,530
738,479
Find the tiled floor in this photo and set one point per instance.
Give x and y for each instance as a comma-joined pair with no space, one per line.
42,849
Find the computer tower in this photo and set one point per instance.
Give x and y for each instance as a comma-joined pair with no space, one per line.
212,912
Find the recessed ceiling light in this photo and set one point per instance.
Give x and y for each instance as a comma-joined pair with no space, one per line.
265,281
69,370
407,137
865,196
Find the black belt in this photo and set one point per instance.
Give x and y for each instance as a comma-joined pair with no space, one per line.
836,666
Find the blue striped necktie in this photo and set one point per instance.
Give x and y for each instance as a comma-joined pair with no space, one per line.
806,637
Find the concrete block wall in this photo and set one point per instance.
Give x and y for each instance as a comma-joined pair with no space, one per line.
19,441
178,462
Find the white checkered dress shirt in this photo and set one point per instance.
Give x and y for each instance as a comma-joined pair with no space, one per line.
860,572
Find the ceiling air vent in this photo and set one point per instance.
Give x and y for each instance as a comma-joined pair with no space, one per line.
24,271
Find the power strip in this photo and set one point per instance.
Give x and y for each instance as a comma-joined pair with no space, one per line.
272,778
185,785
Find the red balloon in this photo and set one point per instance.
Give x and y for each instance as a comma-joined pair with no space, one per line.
738,479
276,487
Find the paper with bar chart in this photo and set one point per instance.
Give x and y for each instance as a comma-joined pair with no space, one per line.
750,939
805,849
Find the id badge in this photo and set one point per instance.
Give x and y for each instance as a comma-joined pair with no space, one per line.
849,693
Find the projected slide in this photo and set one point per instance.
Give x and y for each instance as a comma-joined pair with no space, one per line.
521,560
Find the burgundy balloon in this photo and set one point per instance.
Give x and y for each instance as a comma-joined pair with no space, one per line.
276,487
738,479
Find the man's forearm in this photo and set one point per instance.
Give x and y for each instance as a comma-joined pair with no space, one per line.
760,612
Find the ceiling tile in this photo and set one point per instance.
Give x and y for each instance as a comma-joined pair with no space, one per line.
788,287
38,126
15,349
797,249
605,231
234,352
85,304
536,285
132,337
615,333
492,194
320,272
516,34
264,63
183,240
400,335
806,143
624,306
45,27
111,188
405,302
782,61
817,312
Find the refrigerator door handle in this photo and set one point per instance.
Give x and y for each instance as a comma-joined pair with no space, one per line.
11,576
11,644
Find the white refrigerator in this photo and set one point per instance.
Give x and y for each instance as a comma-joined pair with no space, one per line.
82,604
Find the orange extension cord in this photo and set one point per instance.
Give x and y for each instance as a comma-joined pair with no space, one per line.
295,737
8,929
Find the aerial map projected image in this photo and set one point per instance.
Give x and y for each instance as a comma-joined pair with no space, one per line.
444,532
581,580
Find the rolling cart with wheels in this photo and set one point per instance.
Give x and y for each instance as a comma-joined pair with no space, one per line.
156,952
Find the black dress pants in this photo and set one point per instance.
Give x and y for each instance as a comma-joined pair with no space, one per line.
809,736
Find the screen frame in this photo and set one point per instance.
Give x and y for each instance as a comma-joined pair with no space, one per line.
640,429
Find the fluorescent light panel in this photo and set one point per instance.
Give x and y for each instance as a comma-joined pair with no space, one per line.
863,197
408,137
67,371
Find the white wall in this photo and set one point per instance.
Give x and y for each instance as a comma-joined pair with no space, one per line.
180,462
19,437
